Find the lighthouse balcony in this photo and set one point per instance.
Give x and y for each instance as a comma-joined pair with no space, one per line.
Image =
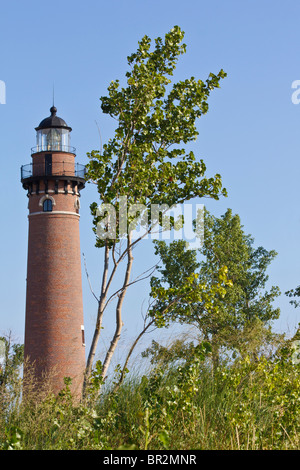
60,169
53,147
66,171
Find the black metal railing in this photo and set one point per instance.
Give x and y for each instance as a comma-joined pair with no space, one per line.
58,169
53,148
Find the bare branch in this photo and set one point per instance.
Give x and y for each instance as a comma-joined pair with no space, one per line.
99,136
88,278
144,330
138,279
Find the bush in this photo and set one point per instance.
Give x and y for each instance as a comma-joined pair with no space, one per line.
248,404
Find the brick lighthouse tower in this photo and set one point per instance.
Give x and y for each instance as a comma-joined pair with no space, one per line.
54,331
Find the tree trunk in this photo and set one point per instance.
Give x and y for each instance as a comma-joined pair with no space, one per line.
100,312
119,322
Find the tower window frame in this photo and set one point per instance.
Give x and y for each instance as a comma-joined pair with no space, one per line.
47,205
48,164
82,335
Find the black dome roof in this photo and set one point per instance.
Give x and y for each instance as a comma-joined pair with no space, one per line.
53,121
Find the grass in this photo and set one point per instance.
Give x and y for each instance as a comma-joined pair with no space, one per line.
249,405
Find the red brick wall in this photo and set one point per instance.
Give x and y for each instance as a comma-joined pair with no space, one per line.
54,310
62,163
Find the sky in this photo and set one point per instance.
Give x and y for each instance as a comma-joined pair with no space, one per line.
251,134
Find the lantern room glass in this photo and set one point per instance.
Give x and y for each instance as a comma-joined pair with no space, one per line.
53,139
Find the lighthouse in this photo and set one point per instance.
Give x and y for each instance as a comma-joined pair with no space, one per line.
54,328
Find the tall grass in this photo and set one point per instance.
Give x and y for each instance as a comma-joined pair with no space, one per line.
247,405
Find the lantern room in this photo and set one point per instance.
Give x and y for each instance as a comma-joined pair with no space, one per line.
53,134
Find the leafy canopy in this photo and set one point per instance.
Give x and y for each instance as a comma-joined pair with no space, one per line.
145,160
226,243
179,292
223,290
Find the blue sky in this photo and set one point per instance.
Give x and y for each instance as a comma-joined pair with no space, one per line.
251,135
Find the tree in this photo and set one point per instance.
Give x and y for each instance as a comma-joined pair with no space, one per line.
144,164
295,294
11,359
243,305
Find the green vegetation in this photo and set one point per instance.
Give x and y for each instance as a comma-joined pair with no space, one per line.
180,404
224,317
146,163
238,385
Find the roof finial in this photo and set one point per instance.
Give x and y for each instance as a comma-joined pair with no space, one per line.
53,109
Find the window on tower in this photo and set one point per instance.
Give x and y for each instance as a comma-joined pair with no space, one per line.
82,335
47,205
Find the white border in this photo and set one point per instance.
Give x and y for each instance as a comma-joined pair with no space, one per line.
54,213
